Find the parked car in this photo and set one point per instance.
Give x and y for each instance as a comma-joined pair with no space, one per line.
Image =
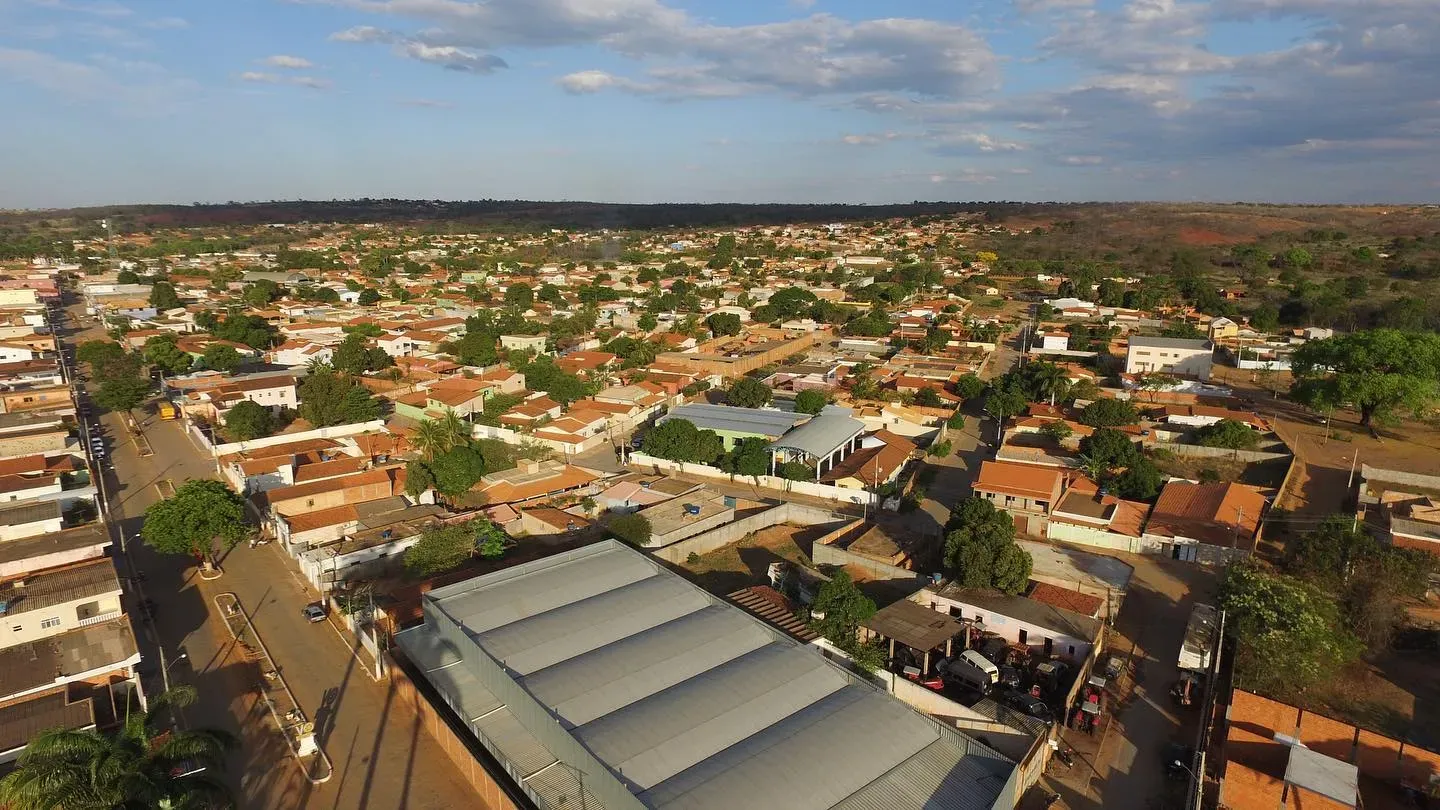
1027,705
314,612
970,668
1010,677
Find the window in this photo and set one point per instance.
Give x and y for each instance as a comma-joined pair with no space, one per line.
49,622
1025,634
17,628
309,501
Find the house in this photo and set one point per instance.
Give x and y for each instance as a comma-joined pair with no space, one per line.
586,363
1205,522
274,393
633,491
371,545
536,408
699,510
1026,491
533,343
1178,356
878,461
298,353
532,480
42,604
547,521
1403,507
1045,628
329,493
732,424
1223,328
1087,517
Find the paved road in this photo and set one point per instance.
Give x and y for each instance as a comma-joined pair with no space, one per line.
383,759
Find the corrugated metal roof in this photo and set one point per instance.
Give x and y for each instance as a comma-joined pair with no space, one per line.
963,776
674,697
756,421
822,435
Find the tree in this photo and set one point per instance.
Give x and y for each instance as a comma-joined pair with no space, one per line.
201,514
161,351
144,763
440,549
1298,258
956,421
647,322
1141,481
519,295
747,392
811,400
418,479
839,609
368,297
1379,373
1004,401
127,277
796,471
1045,381
928,398
98,353
351,356
457,470
751,457
1290,633
248,420
1229,433
121,394
680,440
261,293
221,357
723,323
1110,447
163,297
969,387
1057,430
633,528
490,539
980,548
1158,381
1109,413
327,398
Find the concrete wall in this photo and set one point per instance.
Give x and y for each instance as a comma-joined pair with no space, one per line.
689,529
829,493
1087,536
456,747
824,554
336,432
1198,451
791,513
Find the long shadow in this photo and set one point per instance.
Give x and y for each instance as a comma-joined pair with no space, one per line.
345,771
375,749
410,761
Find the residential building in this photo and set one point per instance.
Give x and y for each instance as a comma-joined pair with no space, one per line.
732,424
1206,522
1047,629
533,480
1026,491
1178,356
878,461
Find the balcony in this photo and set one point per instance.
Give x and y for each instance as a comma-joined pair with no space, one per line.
100,617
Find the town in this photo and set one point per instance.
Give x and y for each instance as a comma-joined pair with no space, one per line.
938,510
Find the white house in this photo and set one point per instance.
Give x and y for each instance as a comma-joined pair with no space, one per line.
1179,356
1017,619
534,343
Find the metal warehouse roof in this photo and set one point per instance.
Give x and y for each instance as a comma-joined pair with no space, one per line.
756,421
827,432
600,662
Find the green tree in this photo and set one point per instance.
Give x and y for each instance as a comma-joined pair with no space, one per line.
980,548
248,420
1298,258
841,608
202,514
163,297
1057,430
1379,372
418,479
1228,433
520,295
747,392
1110,447
98,353
440,549
1141,481
457,470
161,351
796,471
723,323
121,394
327,398
143,763
127,277
751,457
811,400
680,440
261,293
352,355
1109,413
368,297
647,322
1290,633
956,421
220,357
633,528
928,398
969,387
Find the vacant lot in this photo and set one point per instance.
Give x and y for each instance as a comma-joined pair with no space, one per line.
746,563
1268,474
1396,694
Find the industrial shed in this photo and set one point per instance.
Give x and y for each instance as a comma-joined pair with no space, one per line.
600,671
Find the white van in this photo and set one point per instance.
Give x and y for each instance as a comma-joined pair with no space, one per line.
972,669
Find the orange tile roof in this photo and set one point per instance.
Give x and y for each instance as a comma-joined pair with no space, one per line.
1220,514
1082,603
1023,480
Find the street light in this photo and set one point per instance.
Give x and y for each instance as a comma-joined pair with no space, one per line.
181,657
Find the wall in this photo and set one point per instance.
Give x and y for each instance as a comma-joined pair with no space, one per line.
11,568
791,513
1008,627
830,555
688,528
1087,536
456,747
336,432
825,491
1197,451
22,530
33,444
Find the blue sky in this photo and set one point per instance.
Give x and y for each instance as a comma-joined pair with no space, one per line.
117,101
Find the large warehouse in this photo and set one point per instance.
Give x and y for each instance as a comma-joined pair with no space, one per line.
600,671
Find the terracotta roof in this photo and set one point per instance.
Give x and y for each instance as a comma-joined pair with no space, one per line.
1221,514
874,465
329,469
325,517
1082,603
1023,480
566,477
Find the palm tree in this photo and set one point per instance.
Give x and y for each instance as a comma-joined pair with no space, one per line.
1048,381
457,430
141,765
430,438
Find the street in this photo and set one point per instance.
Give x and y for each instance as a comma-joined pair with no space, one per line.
381,757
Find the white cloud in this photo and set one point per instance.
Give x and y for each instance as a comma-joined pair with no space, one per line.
451,57
587,81
258,77
427,103
287,62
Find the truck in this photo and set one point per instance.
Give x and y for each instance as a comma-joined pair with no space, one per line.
167,410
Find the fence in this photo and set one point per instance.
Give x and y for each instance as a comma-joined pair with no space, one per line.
824,554
814,490
1201,451
734,532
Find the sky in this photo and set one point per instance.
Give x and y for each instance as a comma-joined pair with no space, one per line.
154,101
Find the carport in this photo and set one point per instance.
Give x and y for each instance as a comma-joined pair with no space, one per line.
915,626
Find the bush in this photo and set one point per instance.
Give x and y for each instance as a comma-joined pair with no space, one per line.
1109,413
811,400
940,449
1227,433
632,528
956,421
796,471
